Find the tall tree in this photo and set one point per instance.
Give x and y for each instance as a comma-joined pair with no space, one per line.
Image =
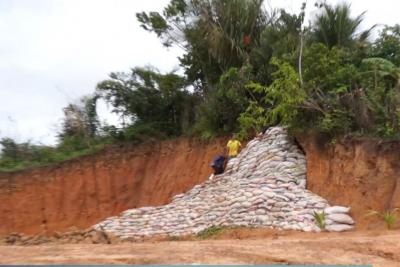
215,35
80,118
334,26
147,96
387,45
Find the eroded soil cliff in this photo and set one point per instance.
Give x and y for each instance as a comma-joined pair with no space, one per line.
362,174
84,191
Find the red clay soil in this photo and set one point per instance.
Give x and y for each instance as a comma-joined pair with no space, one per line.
84,191
362,174
376,248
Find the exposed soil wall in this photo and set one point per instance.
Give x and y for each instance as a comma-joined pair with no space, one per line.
84,191
363,174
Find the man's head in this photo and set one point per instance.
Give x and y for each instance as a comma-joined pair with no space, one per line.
234,136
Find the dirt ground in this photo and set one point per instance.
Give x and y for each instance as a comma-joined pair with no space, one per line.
379,248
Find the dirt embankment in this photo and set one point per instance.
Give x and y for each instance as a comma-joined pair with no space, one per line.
362,174
84,191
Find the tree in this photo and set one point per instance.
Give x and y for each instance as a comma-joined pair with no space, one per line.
281,38
9,149
147,96
14,153
80,119
80,124
335,27
215,35
219,113
387,45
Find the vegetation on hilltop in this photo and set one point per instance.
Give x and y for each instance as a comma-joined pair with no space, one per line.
244,68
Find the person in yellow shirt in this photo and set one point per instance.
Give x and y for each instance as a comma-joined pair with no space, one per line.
233,147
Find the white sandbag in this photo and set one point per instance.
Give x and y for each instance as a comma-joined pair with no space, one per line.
338,227
329,222
340,218
337,209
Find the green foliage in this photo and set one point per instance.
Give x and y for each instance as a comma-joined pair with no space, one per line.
215,35
16,156
80,119
149,97
280,102
335,27
284,94
381,80
219,113
319,218
279,39
137,132
252,120
336,96
220,39
381,68
387,45
388,216
211,231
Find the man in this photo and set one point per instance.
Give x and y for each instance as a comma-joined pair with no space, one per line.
218,164
233,147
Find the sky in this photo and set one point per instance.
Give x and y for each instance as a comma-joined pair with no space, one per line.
52,52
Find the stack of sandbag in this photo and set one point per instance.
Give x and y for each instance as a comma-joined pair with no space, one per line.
337,219
264,186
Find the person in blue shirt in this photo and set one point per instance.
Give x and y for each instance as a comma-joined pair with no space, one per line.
218,164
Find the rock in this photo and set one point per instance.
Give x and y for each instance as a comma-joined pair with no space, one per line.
99,238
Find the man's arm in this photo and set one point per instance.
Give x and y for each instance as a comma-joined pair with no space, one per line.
227,148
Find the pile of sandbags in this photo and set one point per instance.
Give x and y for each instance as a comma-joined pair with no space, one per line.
337,219
265,186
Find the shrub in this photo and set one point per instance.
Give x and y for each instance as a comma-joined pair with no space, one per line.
211,231
388,216
319,218
336,96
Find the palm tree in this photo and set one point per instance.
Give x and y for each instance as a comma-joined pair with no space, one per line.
335,27
232,28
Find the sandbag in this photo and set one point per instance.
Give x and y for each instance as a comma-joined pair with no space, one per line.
329,222
340,218
337,209
338,227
